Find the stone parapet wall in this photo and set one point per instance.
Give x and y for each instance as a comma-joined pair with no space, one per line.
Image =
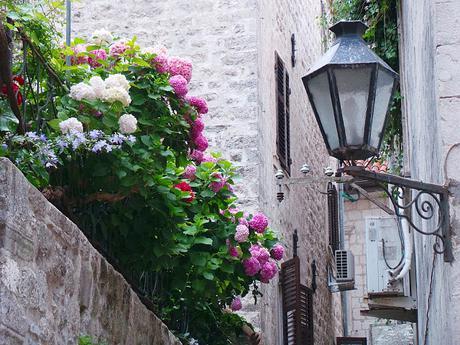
54,286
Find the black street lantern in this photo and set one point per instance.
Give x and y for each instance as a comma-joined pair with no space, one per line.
350,89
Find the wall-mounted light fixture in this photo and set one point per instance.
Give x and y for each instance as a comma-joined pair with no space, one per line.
351,90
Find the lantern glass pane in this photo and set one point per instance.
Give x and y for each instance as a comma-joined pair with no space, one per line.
384,88
353,88
319,89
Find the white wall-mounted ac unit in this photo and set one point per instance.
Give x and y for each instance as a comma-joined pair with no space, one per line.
345,266
383,249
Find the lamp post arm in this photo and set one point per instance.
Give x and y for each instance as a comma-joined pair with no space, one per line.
428,199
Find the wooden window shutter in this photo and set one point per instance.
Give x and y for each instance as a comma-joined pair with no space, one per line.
297,306
282,114
288,121
333,216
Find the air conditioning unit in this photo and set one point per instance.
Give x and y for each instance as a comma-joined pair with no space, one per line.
345,266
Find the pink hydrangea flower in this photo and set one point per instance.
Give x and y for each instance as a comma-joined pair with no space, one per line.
259,222
179,84
236,304
251,266
233,251
189,172
198,103
208,158
268,271
197,127
216,186
241,234
160,63
197,156
180,66
79,60
243,221
201,143
118,49
99,54
277,251
260,253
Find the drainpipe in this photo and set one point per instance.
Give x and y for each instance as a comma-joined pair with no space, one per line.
343,294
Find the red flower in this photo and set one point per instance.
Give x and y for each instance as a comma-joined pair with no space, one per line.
18,81
185,187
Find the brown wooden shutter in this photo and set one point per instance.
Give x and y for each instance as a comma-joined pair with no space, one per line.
333,216
288,129
282,114
297,306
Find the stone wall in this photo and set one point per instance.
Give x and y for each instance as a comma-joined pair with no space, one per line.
304,207
430,79
54,286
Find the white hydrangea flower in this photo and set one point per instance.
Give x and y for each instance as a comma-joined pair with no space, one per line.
158,49
113,94
127,123
102,36
98,86
117,80
70,125
82,91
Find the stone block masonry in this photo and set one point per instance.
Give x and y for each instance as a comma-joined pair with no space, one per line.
54,286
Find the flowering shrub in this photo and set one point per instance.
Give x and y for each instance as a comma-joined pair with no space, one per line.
124,156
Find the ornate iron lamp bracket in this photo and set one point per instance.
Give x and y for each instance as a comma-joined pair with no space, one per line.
430,202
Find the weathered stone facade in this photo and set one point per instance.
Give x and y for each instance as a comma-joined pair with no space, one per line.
54,286
430,78
232,45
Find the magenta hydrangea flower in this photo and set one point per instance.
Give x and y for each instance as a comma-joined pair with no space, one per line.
99,54
241,234
251,266
277,251
79,60
216,186
179,84
197,156
160,62
209,158
258,223
243,221
201,143
180,66
197,127
233,251
236,304
198,103
189,172
268,271
118,49
260,253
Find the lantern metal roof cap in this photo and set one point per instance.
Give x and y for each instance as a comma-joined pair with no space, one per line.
348,50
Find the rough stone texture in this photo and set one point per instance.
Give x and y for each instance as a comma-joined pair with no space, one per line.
394,334
54,286
232,45
431,89
304,207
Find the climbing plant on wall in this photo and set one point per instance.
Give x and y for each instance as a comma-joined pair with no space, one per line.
382,18
119,147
